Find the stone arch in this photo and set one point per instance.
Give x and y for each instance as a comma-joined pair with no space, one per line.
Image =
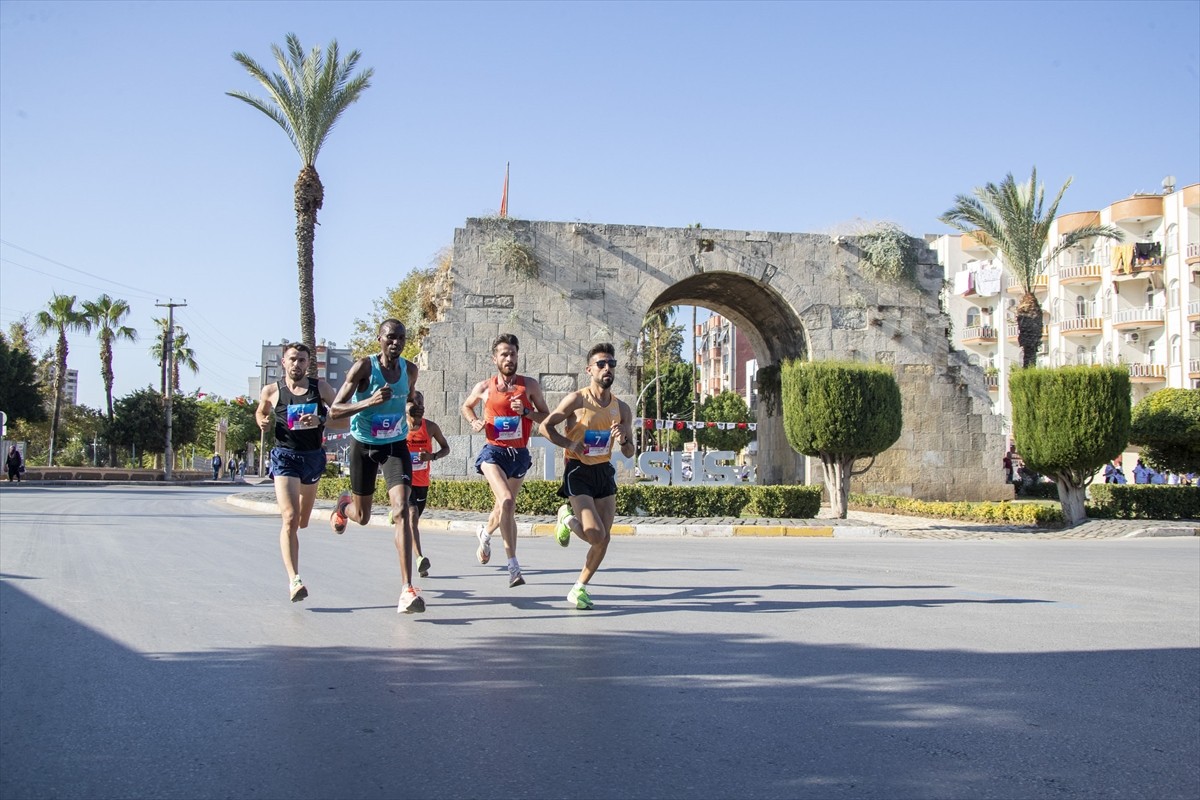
793,294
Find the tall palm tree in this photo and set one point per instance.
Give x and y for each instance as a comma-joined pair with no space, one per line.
60,315
106,315
1010,221
305,98
181,354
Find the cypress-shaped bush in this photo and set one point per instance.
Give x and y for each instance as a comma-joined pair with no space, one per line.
1067,423
841,412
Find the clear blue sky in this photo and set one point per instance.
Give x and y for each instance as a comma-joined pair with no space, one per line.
121,156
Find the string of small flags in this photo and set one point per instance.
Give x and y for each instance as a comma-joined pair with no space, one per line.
689,425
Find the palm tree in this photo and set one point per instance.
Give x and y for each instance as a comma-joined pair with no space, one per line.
181,353
106,315
306,101
1009,220
59,315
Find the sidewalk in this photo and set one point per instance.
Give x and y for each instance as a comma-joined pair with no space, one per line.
857,525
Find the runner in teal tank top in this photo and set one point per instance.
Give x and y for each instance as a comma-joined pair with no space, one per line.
375,397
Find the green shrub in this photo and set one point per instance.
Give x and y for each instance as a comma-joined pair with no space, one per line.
1167,426
1144,501
1006,513
786,502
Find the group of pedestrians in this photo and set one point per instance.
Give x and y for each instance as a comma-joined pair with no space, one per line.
389,434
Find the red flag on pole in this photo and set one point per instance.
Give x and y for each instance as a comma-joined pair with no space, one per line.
504,196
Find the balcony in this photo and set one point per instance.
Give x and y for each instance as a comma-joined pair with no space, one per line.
1147,373
973,245
1080,274
1068,223
1132,319
1193,253
1040,283
992,382
1137,209
1013,332
979,334
1194,311
1194,368
1191,195
1081,326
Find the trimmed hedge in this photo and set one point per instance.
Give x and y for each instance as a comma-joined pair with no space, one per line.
539,497
1009,513
1144,501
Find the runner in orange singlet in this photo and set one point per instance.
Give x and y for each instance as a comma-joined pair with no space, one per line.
422,433
511,404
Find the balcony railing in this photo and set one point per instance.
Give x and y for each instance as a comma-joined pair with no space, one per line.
1144,316
1148,372
979,333
1194,366
1078,324
1194,309
1083,273
1039,285
992,382
1014,332
1193,252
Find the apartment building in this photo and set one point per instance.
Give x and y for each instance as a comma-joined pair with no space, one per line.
724,360
1135,302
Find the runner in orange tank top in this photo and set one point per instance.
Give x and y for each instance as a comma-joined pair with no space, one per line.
598,422
422,433
511,403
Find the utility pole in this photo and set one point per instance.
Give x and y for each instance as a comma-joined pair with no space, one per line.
168,367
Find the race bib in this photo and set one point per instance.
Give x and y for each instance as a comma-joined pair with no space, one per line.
417,463
386,426
297,410
507,428
596,443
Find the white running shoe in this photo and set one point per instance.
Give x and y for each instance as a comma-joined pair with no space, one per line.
411,601
484,553
514,575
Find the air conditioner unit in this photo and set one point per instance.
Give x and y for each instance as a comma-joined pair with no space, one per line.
1131,338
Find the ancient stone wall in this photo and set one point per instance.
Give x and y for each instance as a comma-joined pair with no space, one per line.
792,294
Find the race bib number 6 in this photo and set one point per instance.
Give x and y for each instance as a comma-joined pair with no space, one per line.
386,426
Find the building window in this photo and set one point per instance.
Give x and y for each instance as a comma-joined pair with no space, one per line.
1172,236
972,317
1081,306
1173,294
1151,352
1174,352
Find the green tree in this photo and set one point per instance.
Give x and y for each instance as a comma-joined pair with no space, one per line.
140,421
106,316
83,431
305,98
841,412
725,407
1067,423
1009,220
19,396
402,302
1166,425
182,354
241,427
60,316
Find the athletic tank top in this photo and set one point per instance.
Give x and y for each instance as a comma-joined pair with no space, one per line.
288,409
385,423
419,442
593,426
502,427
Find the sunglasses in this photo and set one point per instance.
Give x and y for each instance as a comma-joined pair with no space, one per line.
602,363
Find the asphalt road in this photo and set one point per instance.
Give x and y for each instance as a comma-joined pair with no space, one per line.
147,649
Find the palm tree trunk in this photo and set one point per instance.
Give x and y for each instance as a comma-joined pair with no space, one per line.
60,378
106,356
1029,329
310,195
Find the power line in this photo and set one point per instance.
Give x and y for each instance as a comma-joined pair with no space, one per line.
150,295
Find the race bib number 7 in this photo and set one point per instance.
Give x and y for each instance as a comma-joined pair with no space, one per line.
596,443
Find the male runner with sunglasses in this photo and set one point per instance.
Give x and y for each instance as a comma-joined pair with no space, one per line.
596,420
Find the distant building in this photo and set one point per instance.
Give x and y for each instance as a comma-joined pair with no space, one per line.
70,389
1134,303
332,364
725,360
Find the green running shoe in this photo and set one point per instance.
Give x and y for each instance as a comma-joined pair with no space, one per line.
423,566
563,532
578,597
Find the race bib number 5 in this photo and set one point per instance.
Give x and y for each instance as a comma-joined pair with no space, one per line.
507,428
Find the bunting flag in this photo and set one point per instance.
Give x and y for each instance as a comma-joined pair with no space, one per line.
504,195
649,424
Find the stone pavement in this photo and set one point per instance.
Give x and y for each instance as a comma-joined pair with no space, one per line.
857,525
